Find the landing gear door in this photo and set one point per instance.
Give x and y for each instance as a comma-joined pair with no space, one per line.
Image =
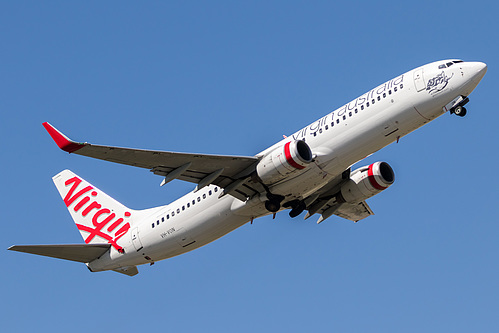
136,240
419,80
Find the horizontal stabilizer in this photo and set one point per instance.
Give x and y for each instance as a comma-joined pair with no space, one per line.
75,252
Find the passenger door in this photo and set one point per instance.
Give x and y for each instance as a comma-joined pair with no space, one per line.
419,80
136,240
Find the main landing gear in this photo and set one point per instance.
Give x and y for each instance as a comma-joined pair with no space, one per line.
273,204
297,207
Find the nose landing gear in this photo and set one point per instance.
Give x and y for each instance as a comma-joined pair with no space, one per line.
457,106
460,111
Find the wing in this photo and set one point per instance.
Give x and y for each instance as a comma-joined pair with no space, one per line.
229,172
324,203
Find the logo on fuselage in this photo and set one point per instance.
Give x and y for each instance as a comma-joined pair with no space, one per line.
438,83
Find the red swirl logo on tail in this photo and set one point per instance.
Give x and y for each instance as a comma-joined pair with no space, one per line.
101,217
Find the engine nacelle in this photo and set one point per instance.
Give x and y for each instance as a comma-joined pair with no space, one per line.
292,157
367,181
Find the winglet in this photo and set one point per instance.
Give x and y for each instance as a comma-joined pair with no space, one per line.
61,140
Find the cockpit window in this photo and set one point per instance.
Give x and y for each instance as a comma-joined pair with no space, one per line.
442,66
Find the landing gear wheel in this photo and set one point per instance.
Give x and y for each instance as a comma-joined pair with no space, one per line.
297,210
460,111
272,205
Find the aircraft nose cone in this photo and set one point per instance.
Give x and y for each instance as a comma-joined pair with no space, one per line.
479,70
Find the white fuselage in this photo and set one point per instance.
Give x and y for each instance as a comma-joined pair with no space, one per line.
338,140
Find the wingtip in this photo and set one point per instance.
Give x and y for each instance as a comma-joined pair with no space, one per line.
61,140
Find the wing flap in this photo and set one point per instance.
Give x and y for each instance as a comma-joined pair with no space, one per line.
354,212
75,252
324,202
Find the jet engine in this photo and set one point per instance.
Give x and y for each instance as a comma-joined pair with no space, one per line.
289,158
366,182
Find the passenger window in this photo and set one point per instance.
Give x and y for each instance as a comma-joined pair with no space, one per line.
373,101
356,110
216,189
210,192
199,199
337,121
344,117
193,202
204,196
163,219
367,104
157,222
153,225
327,127
384,95
349,114
389,92
379,98
362,107
173,213
401,86
168,216
188,204
183,207
395,89
178,210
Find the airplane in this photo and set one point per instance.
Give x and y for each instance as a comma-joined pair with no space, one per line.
310,170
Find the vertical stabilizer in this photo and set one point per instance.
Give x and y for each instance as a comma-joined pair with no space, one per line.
99,218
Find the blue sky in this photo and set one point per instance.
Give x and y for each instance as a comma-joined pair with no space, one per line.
232,78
